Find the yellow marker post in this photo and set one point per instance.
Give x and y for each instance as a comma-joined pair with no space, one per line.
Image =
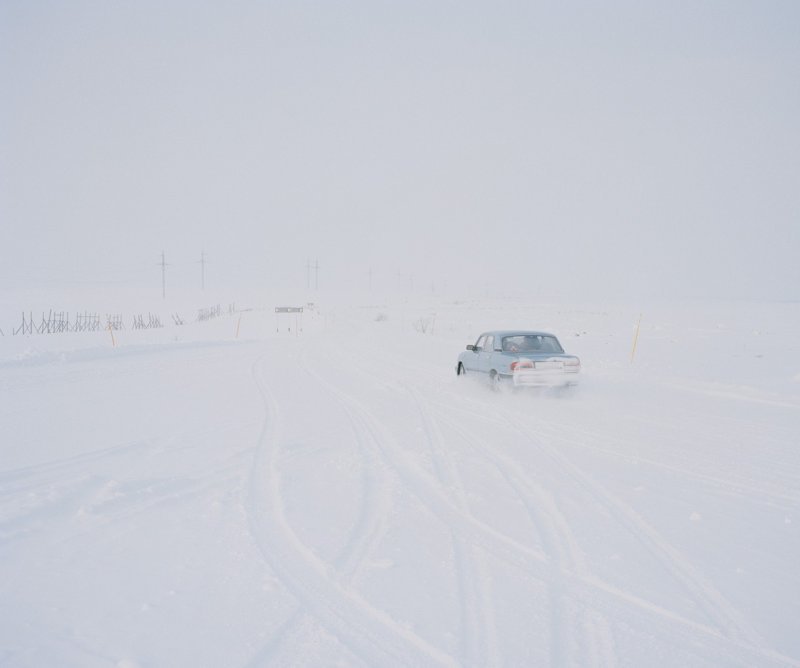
238,324
636,338
111,331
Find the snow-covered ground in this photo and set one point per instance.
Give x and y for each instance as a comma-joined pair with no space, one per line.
225,494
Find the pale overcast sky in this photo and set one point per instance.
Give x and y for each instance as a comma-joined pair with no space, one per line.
622,148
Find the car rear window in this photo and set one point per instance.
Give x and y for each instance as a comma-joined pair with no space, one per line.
531,343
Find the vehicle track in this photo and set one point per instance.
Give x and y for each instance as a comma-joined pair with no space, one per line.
426,486
769,496
788,469
590,631
370,633
730,633
446,473
586,440
92,497
370,526
718,610
479,628
738,646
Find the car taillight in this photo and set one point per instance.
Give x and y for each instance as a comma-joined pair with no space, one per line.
572,362
521,364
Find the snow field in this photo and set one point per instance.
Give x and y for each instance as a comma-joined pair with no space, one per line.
341,498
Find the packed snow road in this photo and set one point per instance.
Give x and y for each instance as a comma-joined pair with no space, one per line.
344,499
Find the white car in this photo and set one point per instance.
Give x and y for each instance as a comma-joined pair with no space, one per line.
519,359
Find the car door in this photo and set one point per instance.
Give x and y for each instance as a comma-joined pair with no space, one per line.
472,361
485,355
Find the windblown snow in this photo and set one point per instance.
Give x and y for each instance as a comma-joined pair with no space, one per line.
242,493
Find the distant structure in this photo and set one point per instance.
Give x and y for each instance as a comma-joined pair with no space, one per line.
284,316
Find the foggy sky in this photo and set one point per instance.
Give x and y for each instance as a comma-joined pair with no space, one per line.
623,148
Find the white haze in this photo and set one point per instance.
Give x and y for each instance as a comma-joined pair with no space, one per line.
629,149
228,493
232,491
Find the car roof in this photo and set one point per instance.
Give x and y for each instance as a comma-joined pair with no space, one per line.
515,332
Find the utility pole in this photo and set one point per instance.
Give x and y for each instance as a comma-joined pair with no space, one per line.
163,276
316,275
308,273
370,279
405,282
202,270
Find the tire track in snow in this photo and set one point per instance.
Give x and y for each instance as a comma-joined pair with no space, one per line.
718,610
600,597
667,433
370,633
586,440
12,480
427,488
715,606
562,552
61,490
735,648
376,503
479,628
366,532
776,498
593,632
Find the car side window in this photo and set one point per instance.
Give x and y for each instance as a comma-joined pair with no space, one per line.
480,342
489,345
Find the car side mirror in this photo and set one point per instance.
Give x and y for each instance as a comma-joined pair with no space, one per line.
470,347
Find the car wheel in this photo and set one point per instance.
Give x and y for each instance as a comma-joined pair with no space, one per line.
502,384
461,371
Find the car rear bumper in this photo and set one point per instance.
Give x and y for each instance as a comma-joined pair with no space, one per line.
542,378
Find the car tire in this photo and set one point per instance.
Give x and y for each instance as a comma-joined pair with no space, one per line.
502,384
461,371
